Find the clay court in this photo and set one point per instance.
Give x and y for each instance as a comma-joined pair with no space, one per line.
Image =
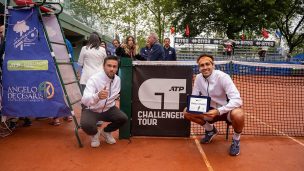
270,140
45,147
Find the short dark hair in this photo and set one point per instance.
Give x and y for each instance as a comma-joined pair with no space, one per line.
205,55
111,57
105,43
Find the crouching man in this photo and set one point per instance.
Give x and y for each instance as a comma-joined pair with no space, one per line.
225,102
99,98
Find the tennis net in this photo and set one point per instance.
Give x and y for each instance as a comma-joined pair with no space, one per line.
272,94
272,97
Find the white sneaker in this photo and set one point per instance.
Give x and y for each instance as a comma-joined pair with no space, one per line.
108,137
95,140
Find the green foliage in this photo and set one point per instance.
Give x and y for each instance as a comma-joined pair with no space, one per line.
129,17
249,16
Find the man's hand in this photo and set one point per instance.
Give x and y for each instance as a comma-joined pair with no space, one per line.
103,94
211,114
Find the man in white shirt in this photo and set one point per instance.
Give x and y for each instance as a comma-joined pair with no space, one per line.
225,102
99,97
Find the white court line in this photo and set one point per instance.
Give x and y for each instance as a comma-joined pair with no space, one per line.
264,123
203,154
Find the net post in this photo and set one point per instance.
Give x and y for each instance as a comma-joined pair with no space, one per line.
125,73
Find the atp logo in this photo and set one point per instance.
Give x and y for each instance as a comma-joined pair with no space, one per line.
47,89
26,37
161,93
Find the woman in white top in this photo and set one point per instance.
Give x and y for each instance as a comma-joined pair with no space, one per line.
91,59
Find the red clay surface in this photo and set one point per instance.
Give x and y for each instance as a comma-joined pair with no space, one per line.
45,147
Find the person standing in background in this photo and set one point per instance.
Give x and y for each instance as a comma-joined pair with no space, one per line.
91,59
170,54
104,45
144,52
157,52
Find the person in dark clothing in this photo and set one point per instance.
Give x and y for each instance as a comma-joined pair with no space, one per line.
144,52
128,49
104,45
157,52
262,54
170,54
116,45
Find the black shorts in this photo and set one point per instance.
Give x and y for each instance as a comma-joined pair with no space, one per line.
223,117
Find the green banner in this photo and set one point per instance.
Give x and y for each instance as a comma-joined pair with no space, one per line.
27,65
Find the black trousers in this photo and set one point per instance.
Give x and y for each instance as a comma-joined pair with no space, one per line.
114,115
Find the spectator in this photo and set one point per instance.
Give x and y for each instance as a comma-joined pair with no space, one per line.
229,48
104,45
91,58
262,54
157,52
116,45
128,49
144,52
170,54
288,57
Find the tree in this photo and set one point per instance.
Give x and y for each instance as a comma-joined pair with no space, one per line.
128,17
289,19
234,16
230,16
163,12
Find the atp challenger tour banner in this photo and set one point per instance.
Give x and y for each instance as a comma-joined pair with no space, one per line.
31,86
159,97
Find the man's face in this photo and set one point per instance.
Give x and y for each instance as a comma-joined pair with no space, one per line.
148,44
110,68
115,44
151,40
206,66
167,42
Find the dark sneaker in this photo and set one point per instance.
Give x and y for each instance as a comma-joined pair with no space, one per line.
209,135
235,148
12,125
27,122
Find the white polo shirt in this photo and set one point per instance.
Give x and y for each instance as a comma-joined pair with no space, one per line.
217,86
95,84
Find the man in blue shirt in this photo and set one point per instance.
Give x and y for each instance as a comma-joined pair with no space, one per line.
157,52
145,51
170,54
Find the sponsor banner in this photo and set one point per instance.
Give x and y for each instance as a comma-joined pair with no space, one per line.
31,86
159,97
184,40
27,65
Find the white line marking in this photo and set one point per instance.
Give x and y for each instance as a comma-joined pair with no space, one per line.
264,123
200,149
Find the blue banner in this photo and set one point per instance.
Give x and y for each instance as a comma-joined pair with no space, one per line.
31,85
